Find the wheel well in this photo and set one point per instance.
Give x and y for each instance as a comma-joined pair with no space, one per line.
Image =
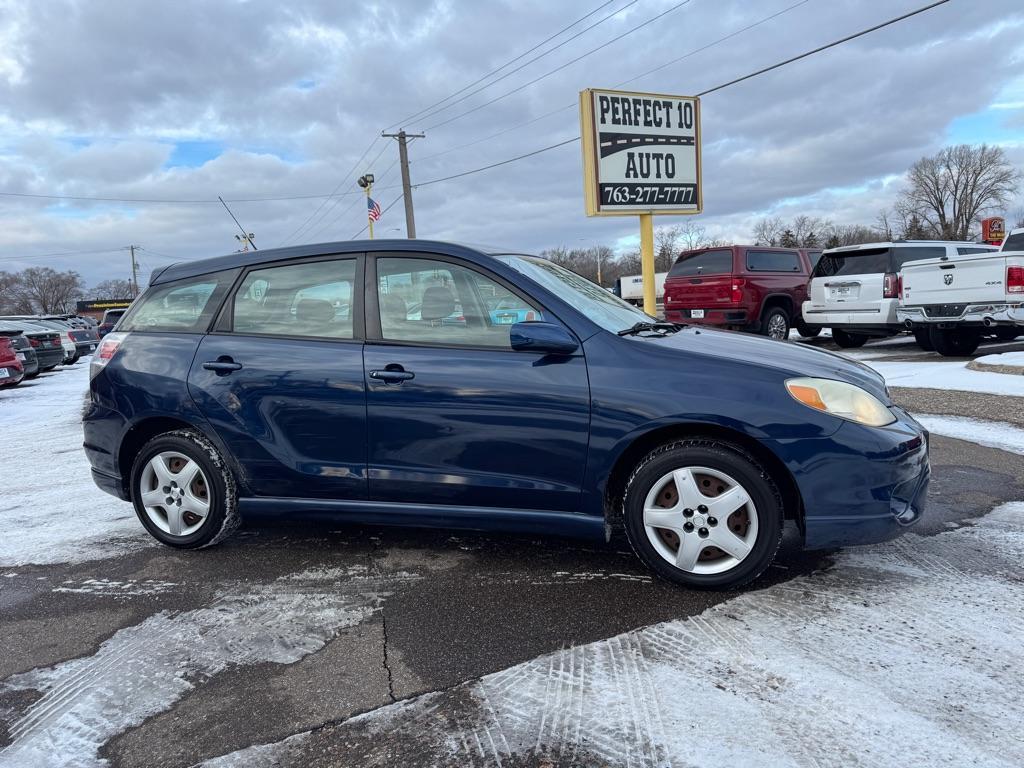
138,436
626,463
785,302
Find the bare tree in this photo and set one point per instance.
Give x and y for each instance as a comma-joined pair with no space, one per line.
47,291
667,245
950,190
768,231
113,289
1019,216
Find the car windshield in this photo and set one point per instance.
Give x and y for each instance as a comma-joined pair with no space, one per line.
607,310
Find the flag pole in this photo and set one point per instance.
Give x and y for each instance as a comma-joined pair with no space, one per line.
369,218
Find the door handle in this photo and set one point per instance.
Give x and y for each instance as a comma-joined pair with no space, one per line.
222,366
392,376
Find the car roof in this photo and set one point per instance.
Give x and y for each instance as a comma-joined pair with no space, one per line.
903,244
242,259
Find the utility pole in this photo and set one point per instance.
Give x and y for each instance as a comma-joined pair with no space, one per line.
135,270
403,158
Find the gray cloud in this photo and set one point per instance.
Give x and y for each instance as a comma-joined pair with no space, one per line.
99,92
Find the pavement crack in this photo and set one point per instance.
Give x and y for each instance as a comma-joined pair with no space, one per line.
387,667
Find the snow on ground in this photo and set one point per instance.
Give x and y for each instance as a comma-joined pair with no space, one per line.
993,434
948,374
1006,358
49,506
143,669
904,653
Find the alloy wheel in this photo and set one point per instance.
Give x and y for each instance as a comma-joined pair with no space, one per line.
777,327
700,520
175,493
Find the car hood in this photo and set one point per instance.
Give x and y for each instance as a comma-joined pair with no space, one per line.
790,358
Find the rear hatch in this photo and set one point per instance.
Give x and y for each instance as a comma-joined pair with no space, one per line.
850,280
700,279
975,278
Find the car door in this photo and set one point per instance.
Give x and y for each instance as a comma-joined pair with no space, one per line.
454,415
281,379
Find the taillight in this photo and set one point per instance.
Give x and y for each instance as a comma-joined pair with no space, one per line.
34,341
736,295
889,290
108,348
899,285
1015,279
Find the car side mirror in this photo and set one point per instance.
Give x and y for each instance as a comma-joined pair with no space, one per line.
539,336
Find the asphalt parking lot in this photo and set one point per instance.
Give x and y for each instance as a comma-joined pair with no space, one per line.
314,643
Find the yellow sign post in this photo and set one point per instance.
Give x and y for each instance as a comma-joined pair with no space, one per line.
641,156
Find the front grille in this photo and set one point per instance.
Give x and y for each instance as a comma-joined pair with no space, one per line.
945,310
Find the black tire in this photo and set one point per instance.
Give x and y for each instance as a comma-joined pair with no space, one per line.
848,340
49,368
775,323
955,342
924,340
1007,333
223,517
32,375
722,457
74,359
807,331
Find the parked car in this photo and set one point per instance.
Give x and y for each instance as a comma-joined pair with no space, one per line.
854,288
741,287
698,442
110,318
23,351
951,301
11,369
78,341
46,342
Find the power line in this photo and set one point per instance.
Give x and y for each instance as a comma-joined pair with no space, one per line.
510,61
558,68
386,209
572,105
324,202
528,63
762,71
63,253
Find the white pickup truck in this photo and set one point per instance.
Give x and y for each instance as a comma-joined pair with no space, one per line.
958,300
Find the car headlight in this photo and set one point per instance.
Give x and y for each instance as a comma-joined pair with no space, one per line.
841,399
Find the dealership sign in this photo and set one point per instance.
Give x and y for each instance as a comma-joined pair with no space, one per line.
101,305
641,153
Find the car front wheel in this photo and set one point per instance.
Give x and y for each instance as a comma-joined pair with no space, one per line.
703,513
183,492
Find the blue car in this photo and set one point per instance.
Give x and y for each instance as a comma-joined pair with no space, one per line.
298,380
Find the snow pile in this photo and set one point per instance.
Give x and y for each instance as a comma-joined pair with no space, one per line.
1005,358
951,374
993,434
51,511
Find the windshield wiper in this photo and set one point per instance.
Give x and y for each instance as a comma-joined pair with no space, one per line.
644,326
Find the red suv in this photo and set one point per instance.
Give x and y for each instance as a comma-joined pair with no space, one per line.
742,287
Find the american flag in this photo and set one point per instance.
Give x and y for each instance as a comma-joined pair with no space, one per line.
372,209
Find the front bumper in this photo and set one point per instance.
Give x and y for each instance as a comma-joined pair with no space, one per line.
998,313
863,484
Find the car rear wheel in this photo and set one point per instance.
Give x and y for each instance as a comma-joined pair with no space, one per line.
183,492
703,513
776,324
848,340
955,342
807,331
923,338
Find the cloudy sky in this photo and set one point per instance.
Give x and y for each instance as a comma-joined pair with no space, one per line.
192,99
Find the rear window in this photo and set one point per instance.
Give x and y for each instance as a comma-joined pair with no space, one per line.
703,263
867,261
914,253
773,261
185,306
1014,242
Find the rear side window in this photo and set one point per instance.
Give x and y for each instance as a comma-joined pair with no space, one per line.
814,257
185,306
902,255
718,262
314,299
1014,242
773,261
867,261
969,251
